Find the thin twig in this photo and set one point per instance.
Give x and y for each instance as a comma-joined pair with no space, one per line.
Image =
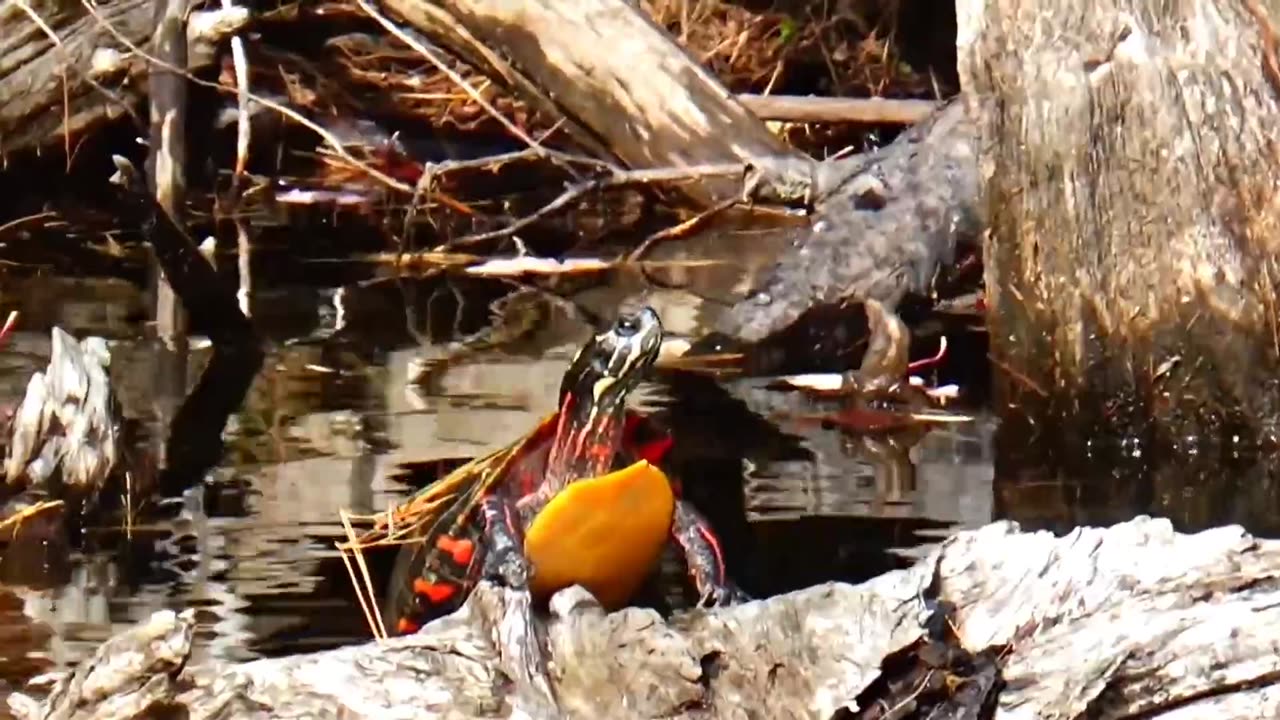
682,229
240,61
29,218
13,522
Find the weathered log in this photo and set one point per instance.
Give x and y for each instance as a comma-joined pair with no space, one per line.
622,81
1116,622
46,85
884,223
1131,175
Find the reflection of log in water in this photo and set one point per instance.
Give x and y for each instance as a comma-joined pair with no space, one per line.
796,503
195,435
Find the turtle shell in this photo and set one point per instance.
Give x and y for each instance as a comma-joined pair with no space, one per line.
433,577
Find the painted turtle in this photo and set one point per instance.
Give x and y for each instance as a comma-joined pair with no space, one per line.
552,509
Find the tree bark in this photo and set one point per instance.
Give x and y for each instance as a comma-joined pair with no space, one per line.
1131,175
1132,620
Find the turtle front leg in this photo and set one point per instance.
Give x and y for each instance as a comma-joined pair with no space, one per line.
702,554
505,563
504,560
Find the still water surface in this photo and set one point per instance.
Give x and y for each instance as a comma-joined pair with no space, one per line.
330,416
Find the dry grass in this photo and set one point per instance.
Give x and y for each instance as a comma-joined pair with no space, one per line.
773,51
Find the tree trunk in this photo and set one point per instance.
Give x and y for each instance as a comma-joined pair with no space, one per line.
614,74
1130,167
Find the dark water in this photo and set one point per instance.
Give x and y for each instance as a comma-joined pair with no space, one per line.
329,417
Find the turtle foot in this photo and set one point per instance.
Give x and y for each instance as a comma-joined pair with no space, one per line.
722,594
702,554
504,560
523,654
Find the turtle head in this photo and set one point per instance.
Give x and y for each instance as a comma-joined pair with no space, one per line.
611,364
593,397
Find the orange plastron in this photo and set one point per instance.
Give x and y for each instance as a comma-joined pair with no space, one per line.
603,533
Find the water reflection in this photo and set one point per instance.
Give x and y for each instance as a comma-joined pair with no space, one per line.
329,417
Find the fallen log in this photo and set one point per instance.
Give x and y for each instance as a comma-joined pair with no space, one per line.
883,224
1130,174
906,208
65,70
629,89
1130,620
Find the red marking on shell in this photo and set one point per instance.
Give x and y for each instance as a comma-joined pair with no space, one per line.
405,626
655,450
435,592
460,549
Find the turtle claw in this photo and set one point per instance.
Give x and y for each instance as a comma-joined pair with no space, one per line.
723,594
522,653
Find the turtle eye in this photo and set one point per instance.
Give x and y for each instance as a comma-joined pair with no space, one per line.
626,326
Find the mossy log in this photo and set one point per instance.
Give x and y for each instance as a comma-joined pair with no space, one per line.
1131,176
1132,620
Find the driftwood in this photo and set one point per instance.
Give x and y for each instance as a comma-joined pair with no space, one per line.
1131,175
1116,622
612,72
883,224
